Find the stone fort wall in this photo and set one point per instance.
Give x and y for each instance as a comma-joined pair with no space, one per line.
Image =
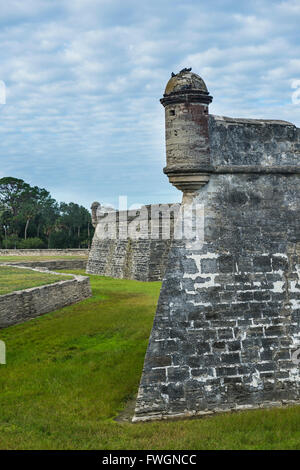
252,145
227,326
133,244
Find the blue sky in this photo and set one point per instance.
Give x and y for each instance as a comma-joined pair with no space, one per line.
83,78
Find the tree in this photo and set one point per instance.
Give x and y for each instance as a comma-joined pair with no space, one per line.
5,220
13,193
77,221
31,214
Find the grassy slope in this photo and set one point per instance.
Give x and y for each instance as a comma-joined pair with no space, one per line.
12,279
69,373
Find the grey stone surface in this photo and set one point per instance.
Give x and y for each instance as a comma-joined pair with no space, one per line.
228,316
20,306
52,265
133,244
263,144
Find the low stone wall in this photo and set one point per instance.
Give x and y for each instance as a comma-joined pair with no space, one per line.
53,264
46,252
20,306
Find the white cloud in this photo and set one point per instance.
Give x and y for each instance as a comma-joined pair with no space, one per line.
84,78
289,7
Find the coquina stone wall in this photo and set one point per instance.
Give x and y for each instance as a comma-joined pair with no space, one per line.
23,305
52,265
45,252
133,244
227,326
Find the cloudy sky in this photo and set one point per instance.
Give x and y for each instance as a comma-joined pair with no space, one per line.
83,79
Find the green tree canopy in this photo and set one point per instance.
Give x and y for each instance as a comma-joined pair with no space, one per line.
27,211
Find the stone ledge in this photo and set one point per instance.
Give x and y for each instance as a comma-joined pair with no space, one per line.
19,306
199,414
51,265
224,169
45,252
258,169
231,120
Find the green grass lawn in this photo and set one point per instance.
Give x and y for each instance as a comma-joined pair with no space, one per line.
12,279
69,374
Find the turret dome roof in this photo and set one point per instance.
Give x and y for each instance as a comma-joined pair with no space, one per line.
185,80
